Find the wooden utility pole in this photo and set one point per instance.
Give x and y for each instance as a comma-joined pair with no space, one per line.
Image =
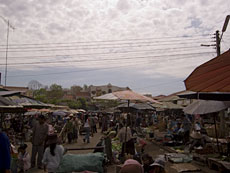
217,43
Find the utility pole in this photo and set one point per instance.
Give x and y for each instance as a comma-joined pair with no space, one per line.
7,44
218,37
217,43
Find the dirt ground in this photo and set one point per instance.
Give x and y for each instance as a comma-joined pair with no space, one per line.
152,149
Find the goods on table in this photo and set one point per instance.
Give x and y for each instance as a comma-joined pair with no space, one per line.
178,157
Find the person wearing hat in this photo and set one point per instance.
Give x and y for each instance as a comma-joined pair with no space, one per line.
69,128
132,166
53,154
158,166
147,160
108,145
40,132
23,159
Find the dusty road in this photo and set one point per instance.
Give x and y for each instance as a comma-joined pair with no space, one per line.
152,149
79,144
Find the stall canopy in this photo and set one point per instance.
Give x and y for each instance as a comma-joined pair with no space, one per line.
126,95
206,106
137,106
219,96
14,98
212,76
167,105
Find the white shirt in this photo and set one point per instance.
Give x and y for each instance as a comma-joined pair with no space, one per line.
24,161
52,162
87,123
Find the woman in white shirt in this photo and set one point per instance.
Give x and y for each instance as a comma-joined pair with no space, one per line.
87,129
53,154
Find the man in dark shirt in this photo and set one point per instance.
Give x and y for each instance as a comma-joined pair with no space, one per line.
40,132
4,153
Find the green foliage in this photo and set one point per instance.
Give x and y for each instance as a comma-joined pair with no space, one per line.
54,95
41,95
55,92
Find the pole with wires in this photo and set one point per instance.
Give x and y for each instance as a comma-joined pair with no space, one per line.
7,44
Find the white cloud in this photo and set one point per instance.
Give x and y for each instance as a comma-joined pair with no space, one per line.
68,21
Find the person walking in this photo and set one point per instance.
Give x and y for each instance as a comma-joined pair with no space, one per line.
92,124
53,154
87,129
104,123
40,132
76,128
69,128
5,156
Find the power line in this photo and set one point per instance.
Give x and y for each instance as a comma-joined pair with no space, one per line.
149,61
104,41
107,53
94,48
98,60
66,72
94,44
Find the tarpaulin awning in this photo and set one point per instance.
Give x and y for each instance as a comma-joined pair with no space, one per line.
212,76
167,105
206,106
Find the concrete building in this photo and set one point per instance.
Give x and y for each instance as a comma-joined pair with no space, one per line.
104,89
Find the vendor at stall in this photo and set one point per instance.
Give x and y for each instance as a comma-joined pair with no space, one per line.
125,137
108,145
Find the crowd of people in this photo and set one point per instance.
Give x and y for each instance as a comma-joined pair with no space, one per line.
48,132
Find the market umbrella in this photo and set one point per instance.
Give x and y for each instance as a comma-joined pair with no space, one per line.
60,113
138,106
205,107
212,76
126,95
167,105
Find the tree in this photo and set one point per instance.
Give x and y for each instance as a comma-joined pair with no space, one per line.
55,92
82,102
35,85
85,87
41,95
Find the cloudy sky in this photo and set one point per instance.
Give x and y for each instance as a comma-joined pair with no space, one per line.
149,45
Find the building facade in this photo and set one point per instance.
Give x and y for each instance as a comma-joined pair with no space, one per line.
104,89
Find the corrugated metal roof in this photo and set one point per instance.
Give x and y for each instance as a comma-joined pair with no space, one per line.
7,93
6,102
212,76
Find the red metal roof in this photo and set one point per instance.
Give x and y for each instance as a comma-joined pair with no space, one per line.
212,76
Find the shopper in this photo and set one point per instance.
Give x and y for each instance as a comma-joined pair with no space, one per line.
40,132
53,154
